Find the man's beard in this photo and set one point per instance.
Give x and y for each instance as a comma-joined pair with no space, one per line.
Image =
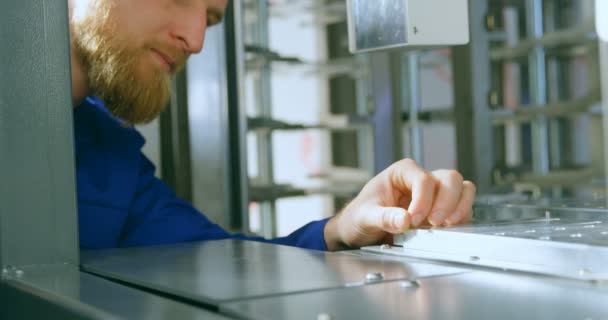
114,70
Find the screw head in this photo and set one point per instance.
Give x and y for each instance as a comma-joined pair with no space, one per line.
409,284
584,272
324,316
374,276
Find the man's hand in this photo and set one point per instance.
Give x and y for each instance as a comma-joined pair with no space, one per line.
401,197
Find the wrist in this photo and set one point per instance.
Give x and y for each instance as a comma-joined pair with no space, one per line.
331,232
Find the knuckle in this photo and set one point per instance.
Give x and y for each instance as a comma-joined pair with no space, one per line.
455,175
407,162
427,180
470,185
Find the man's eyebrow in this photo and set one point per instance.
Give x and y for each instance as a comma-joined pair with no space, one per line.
218,14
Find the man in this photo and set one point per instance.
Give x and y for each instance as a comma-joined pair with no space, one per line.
124,53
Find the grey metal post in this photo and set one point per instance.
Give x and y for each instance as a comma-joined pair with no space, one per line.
413,103
238,192
387,113
264,109
474,132
175,140
603,49
538,87
38,216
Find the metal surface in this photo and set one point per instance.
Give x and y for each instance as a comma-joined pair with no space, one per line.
219,271
212,190
83,296
38,216
475,295
386,24
474,134
565,243
374,25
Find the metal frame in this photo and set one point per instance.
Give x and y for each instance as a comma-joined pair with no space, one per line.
603,55
175,140
237,122
386,87
38,216
474,132
538,84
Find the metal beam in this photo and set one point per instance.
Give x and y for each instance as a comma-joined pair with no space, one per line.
474,133
175,140
237,122
38,216
386,90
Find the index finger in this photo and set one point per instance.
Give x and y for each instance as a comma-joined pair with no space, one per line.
409,178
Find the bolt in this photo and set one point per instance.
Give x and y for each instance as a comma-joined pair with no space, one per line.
324,316
385,247
584,272
374,276
409,284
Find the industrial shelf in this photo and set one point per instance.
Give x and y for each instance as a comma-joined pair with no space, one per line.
568,37
557,109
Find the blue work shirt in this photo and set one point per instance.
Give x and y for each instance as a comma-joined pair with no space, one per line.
120,201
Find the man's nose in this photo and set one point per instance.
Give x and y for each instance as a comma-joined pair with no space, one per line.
190,29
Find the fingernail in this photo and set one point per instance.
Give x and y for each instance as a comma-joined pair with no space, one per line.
417,220
436,218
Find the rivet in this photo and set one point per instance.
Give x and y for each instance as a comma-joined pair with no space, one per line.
584,272
324,316
385,247
374,276
474,258
409,284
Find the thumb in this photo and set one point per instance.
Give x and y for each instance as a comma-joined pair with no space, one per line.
390,219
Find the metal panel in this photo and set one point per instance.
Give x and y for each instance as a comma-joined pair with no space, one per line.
226,270
63,292
560,244
476,295
208,116
471,67
37,196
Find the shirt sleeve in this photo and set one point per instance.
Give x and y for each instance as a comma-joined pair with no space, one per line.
158,216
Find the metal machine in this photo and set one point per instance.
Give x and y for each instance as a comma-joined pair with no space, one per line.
388,24
519,260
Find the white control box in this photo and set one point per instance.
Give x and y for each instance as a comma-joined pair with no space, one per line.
385,24
601,18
